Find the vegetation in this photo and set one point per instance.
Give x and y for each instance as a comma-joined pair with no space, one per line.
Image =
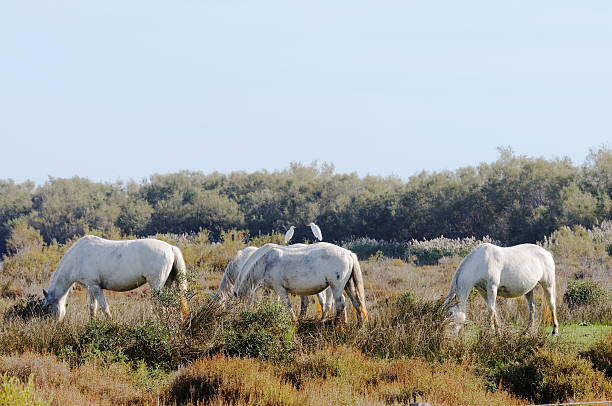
512,200
410,237
239,354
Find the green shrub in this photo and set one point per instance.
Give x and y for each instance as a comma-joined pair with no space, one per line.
584,292
429,252
548,376
13,392
579,246
111,341
26,308
600,354
367,247
426,252
266,332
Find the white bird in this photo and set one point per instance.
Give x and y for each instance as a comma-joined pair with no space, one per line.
289,234
316,231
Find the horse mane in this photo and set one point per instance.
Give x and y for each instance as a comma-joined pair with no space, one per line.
247,276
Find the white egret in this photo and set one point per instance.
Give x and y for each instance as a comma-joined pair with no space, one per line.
289,234
316,231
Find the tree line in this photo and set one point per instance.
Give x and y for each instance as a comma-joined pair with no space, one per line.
514,199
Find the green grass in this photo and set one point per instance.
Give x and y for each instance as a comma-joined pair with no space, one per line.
582,336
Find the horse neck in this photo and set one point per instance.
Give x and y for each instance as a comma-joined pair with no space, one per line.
460,286
248,282
61,282
229,278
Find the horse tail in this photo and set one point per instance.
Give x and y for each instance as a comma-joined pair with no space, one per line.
357,277
180,274
547,315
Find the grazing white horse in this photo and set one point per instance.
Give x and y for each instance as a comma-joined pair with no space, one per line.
232,271
304,271
236,265
507,272
114,265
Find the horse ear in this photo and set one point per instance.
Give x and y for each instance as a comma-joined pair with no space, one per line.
45,294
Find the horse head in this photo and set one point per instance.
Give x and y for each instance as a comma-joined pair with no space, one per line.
51,306
455,312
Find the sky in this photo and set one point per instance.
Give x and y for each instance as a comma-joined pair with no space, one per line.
120,90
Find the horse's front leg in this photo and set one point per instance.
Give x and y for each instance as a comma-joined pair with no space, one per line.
96,291
491,297
93,303
284,296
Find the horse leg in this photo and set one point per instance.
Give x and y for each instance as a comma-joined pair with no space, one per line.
350,292
329,302
340,301
303,306
549,292
99,296
282,293
531,305
491,297
321,299
93,304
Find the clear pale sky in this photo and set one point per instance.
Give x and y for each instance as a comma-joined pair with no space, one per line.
119,90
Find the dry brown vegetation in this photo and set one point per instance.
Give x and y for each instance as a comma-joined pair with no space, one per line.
252,356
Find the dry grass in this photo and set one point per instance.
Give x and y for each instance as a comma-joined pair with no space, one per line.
338,376
93,383
402,354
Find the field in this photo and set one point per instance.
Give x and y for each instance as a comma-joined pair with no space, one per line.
256,355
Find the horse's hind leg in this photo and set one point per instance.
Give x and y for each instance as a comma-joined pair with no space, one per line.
93,304
549,292
99,296
350,292
321,304
303,306
340,302
491,297
531,305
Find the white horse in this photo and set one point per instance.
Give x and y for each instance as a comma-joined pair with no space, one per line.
306,271
114,265
507,272
236,265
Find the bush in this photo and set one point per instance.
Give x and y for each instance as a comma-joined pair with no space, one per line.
600,354
266,332
548,377
426,252
429,252
579,246
15,393
222,380
585,292
26,308
148,341
367,247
